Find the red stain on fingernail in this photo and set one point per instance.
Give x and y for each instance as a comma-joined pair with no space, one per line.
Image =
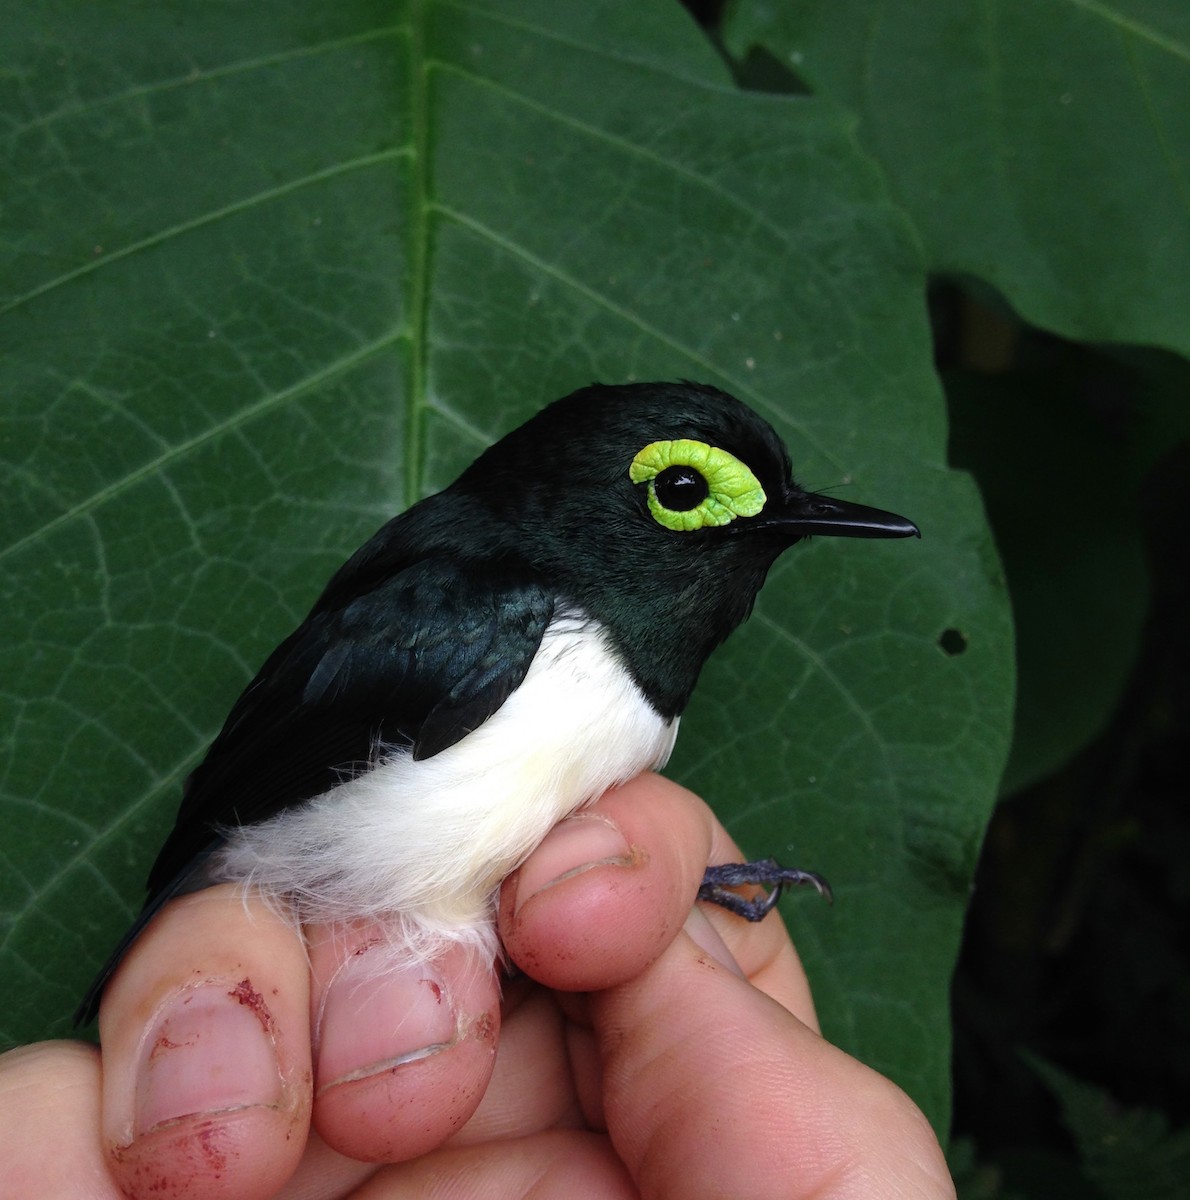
215,1156
197,1154
163,1043
250,998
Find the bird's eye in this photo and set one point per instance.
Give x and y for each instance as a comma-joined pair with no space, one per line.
693,485
680,488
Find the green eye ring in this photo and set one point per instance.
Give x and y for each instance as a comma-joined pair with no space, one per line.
731,488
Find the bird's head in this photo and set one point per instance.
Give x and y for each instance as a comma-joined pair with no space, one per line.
658,508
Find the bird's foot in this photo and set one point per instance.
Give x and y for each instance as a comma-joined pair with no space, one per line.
769,873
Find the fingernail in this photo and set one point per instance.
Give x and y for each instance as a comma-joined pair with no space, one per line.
211,1050
706,937
571,847
376,1018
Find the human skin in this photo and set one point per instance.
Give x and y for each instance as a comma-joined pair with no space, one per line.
643,1048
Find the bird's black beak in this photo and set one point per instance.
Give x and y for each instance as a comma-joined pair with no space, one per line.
805,514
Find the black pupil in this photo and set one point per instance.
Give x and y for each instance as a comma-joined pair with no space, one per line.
680,488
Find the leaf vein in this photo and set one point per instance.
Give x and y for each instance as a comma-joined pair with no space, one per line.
739,385
247,414
196,76
1137,28
207,218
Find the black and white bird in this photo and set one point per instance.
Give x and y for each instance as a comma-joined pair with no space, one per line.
492,659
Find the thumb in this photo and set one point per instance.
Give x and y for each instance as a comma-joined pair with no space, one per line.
712,1088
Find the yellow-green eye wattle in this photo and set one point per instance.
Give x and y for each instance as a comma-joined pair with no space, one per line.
693,485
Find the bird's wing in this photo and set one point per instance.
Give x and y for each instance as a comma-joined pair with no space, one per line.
417,661
414,657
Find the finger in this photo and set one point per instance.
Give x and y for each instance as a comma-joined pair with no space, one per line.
206,1052
567,1163
763,949
711,1088
532,1086
324,1174
609,888
49,1123
404,1053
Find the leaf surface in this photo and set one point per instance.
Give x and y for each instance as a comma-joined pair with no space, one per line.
1042,146
276,270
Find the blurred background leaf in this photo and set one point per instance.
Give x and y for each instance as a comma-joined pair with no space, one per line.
1041,151
1039,146
1063,445
1125,1153
272,272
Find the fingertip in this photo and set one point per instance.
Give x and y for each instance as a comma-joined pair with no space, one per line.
225,1156
609,888
407,1110
404,1051
205,1035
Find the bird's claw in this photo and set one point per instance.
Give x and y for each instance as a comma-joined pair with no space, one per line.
718,882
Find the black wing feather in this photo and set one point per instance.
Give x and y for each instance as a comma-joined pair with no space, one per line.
421,658
419,661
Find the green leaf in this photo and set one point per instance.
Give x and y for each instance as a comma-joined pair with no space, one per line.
975,1180
1040,145
1128,1153
274,270
1061,448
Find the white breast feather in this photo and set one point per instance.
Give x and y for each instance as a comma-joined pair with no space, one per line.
421,847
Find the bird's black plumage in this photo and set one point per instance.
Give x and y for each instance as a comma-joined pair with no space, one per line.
429,627
418,661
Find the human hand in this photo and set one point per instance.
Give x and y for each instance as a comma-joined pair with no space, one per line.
646,1050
